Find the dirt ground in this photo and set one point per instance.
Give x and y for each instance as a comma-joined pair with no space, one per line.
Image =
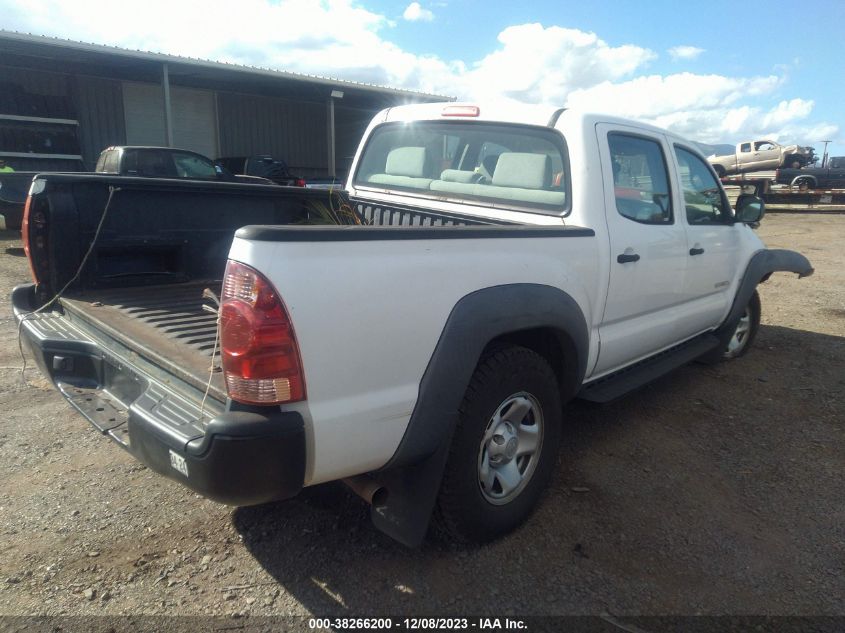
717,490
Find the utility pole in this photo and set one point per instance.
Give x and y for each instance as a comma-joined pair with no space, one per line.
824,156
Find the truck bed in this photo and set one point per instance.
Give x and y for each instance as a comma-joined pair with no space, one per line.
165,324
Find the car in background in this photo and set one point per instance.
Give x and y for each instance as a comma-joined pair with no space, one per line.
274,169
760,155
166,162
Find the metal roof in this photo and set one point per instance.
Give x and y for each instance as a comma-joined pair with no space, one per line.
63,55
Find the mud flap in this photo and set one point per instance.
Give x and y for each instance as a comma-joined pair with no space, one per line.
412,492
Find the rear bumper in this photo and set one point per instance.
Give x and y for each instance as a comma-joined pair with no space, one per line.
234,457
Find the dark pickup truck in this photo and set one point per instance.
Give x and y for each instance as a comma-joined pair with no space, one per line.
132,161
166,162
831,176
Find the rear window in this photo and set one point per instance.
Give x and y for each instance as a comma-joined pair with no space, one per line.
507,165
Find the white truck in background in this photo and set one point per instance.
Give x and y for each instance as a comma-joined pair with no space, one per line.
514,260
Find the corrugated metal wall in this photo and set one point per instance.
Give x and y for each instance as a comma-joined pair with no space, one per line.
293,131
99,108
36,82
34,93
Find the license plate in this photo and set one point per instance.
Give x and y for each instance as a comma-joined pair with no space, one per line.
178,462
826,199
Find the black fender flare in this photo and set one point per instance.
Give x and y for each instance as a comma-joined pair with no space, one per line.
412,476
477,319
762,264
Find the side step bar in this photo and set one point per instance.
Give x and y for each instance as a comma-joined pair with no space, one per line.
630,378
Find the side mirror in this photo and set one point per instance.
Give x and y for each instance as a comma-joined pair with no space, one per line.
750,209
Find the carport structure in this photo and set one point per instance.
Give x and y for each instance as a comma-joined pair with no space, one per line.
64,100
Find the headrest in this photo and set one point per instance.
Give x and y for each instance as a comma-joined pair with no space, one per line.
527,171
458,175
407,161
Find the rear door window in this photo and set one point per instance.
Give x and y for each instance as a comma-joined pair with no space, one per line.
640,179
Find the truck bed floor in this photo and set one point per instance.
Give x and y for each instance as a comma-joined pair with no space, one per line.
165,323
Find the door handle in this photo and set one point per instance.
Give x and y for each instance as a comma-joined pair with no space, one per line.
624,258
696,251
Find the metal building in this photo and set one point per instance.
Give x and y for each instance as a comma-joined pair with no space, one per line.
62,102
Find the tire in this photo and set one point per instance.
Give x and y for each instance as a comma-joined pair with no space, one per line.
721,172
731,348
794,162
805,182
746,330
488,487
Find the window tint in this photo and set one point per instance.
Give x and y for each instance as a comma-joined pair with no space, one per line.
703,198
110,164
640,179
513,165
191,166
745,147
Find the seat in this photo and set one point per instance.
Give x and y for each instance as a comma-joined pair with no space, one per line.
408,167
520,177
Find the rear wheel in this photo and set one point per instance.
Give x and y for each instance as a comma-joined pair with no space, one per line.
504,449
804,182
720,171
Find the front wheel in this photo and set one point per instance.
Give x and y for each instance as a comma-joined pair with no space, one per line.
745,331
504,449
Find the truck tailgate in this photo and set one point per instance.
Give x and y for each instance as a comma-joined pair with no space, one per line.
165,324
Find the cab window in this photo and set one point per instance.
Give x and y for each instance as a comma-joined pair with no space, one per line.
640,179
192,166
494,164
704,199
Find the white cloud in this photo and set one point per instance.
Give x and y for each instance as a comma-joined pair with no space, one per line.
537,64
684,52
415,13
529,63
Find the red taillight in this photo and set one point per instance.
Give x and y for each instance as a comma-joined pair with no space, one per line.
260,356
34,237
461,110
299,182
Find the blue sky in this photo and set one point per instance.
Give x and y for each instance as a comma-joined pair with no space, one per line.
738,70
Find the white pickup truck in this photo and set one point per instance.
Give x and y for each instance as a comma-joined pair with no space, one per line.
514,260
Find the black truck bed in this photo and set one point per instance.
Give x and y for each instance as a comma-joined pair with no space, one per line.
165,324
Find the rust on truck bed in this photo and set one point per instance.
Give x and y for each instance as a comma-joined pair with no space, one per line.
165,324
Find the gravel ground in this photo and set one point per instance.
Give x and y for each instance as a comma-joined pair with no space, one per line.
717,490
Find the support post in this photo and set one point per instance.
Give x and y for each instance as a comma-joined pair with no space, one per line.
332,166
168,113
